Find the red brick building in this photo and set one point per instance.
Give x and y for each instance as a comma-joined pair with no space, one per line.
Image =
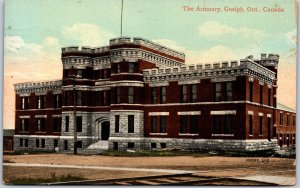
136,94
8,139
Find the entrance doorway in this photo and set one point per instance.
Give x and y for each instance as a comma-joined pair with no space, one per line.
105,130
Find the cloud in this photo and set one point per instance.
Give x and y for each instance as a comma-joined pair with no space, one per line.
87,34
24,62
291,37
50,41
212,29
215,53
16,45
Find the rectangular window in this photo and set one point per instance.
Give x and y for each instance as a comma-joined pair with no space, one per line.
131,124
153,145
163,124
38,125
287,120
55,143
67,123
97,98
79,123
194,125
117,99
153,95
40,102
79,73
105,98
131,67
130,95
117,123
260,125
118,69
294,120
250,125
26,143
65,144
24,125
193,93
56,124
251,92
269,97
43,143
218,92
21,142
183,97
79,144
229,91
79,98
130,145
116,145
37,143
105,73
24,103
163,95
261,94
281,119
153,124
183,124
228,126
56,101
163,145
217,124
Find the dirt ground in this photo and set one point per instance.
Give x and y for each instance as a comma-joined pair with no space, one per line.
206,166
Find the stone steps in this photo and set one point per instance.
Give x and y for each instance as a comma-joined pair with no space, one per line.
97,147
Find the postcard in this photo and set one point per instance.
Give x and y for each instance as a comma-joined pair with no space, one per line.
131,92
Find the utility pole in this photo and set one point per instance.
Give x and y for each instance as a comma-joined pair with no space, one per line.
74,77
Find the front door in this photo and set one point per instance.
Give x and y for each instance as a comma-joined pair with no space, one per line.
105,130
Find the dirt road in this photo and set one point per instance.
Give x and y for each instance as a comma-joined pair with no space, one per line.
214,165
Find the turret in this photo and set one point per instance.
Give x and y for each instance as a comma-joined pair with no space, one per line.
270,61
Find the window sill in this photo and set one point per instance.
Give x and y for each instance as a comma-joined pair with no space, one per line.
225,135
162,134
250,135
188,134
23,131
40,132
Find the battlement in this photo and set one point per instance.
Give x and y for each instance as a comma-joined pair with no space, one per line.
217,68
85,49
146,43
37,85
193,68
274,57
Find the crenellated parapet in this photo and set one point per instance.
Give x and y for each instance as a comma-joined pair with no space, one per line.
216,71
269,60
118,51
38,87
147,43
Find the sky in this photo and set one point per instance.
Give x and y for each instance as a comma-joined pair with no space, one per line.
36,30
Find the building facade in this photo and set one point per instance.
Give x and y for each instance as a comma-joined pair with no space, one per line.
136,94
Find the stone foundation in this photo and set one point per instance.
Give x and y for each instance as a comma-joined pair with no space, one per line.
193,144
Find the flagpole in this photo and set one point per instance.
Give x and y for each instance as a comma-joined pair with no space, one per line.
122,19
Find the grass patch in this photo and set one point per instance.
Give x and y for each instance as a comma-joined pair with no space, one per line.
52,179
7,161
28,152
198,153
153,153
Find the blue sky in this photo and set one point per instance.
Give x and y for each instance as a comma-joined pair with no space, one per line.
35,31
